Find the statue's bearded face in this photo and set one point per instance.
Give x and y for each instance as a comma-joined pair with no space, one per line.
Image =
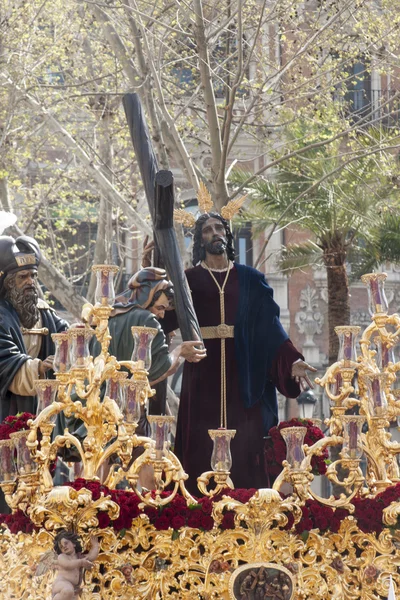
21,291
213,236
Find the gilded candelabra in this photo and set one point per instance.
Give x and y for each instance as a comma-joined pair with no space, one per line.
94,394
360,389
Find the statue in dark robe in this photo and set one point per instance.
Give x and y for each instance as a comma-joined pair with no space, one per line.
26,325
256,357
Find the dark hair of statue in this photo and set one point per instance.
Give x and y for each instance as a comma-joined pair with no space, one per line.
168,291
199,252
67,535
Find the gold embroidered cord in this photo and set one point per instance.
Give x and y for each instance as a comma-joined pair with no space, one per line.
224,418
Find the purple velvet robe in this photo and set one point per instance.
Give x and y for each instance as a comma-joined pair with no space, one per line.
200,401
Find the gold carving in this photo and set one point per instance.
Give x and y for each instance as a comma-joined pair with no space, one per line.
185,217
23,260
204,198
233,207
262,549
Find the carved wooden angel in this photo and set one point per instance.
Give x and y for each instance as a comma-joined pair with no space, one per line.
68,559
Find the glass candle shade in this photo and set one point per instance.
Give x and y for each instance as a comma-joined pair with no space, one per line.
115,388
105,293
80,337
377,302
221,458
294,440
143,338
377,402
133,399
62,362
25,463
160,428
347,342
352,444
46,390
384,354
8,469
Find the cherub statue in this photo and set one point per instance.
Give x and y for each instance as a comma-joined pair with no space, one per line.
68,559
70,564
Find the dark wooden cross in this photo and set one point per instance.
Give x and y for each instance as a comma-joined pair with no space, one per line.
159,189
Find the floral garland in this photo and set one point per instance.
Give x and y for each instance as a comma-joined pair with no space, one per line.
176,515
275,447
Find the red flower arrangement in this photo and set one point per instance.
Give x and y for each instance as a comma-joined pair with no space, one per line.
368,512
175,515
14,423
275,447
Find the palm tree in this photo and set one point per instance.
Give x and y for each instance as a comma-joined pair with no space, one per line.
346,200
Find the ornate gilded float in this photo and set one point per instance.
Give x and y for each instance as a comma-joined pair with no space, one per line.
237,544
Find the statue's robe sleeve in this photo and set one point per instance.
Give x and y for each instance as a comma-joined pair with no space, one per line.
261,345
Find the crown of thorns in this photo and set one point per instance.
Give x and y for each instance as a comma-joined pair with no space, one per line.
206,205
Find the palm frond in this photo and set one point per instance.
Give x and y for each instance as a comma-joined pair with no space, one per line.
299,256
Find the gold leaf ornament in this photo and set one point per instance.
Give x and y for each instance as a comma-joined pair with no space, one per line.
204,198
233,207
186,218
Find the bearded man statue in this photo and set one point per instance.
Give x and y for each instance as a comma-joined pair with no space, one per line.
26,325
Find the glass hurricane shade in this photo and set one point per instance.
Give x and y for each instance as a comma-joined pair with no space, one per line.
8,469
80,337
221,457
115,388
160,428
352,444
25,463
46,390
142,339
133,399
294,439
347,343
377,301
62,358
105,292
384,354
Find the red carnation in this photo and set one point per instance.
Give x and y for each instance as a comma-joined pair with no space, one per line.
195,519
207,522
228,521
178,521
104,520
162,523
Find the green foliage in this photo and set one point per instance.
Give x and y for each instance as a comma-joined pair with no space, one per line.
341,192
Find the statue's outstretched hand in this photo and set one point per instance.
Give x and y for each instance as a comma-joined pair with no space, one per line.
299,374
192,351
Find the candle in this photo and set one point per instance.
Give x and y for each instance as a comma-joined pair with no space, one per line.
376,392
64,347
376,295
47,396
105,286
142,353
347,346
113,389
353,438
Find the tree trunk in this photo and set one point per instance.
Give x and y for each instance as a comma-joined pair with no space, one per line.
338,293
